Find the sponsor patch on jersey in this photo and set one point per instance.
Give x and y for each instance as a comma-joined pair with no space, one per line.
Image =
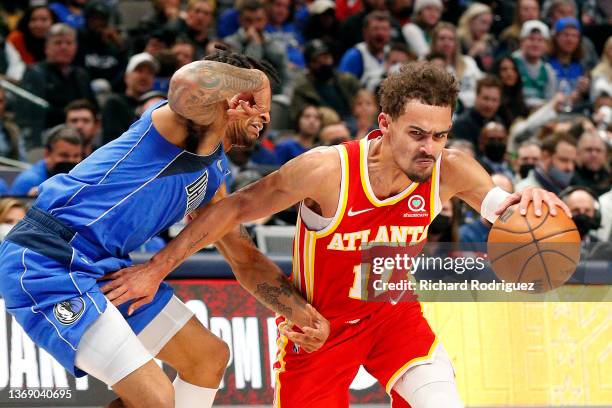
416,203
196,192
69,311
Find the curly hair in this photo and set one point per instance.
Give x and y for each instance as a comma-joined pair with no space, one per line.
422,81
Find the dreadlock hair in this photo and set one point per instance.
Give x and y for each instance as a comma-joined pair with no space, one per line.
223,54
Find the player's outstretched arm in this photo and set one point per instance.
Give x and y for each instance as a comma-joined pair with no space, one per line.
197,90
464,177
311,175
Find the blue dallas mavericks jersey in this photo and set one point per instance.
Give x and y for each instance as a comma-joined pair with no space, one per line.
131,189
84,225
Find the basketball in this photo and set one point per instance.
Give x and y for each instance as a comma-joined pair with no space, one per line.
541,250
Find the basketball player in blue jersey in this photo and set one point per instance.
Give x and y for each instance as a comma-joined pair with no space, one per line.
84,224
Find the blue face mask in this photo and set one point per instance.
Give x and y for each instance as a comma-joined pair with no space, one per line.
561,178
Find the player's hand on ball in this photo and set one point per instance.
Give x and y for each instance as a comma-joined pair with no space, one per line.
313,337
537,196
138,283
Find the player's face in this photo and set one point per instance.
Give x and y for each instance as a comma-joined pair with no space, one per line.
245,132
417,137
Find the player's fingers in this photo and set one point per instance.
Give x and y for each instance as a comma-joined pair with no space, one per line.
511,199
138,303
312,333
537,202
111,285
122,299
552,203
526,197
115,293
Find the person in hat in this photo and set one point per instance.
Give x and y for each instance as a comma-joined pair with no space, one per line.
322,24
566,58
120,109
538,77
426,14
321,84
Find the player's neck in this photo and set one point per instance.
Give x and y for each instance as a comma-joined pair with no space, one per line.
385,177
177,131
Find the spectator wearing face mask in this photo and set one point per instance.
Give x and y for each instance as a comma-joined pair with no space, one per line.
63,151
556,168
11,212
584,207
592,156
493,142
478,230
321,84
529,154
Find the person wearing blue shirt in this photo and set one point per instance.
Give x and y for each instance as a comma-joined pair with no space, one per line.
366,59
71,14
59,265
63,151
3,187
308,126
282,29
566,59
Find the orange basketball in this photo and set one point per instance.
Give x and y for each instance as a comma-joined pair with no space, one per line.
541,250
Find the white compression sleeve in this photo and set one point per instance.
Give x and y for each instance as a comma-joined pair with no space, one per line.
190,396
490,203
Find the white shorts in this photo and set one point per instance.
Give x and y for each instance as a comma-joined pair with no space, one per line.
109,350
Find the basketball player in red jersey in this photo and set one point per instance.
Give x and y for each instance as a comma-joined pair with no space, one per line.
387,187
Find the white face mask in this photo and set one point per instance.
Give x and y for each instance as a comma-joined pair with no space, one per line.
4,230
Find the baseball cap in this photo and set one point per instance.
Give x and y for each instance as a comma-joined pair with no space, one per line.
534,25
314,48
139,59
321,6
565,22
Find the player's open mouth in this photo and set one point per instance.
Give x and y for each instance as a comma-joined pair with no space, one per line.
256,127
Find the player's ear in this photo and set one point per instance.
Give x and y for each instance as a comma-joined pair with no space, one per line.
384,121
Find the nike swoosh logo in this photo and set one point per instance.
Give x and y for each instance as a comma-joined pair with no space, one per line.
352,213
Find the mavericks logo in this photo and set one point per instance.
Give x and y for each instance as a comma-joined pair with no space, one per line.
69,311
196,192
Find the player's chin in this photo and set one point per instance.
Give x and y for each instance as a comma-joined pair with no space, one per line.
420,175
245,140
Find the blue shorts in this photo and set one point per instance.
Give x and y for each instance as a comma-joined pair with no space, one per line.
52,288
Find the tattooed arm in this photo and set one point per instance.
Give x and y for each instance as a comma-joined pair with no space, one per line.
200,91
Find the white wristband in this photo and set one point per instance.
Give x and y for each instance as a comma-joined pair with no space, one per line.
491,202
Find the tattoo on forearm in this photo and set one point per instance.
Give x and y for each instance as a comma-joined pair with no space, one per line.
270,295
244,234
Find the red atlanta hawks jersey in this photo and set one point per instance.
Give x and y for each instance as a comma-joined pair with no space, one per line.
327,264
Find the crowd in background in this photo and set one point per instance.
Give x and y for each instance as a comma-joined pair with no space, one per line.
535,102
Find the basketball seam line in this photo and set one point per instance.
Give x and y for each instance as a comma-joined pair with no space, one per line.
529,243
536,242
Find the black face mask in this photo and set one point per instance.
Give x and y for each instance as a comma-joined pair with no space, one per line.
584,223
495,151
324,72
440,224
61,167
524,169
